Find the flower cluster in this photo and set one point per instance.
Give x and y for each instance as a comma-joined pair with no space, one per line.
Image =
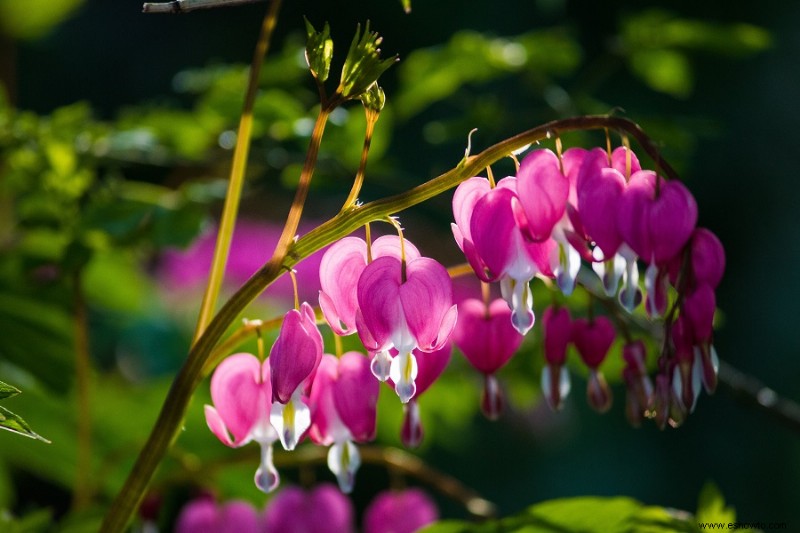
561,211
294,510
399,302
600,208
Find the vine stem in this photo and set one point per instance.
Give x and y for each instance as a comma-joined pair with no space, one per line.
236,181
172,412
83,468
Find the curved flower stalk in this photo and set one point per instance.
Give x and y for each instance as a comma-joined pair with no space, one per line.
557,332
293,360
593,339
400,511
485,335
406,306
242,395
320,510
486,230
339,270
343,402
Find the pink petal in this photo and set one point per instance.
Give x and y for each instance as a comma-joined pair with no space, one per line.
325,419
339,271
238,516
593,339
708,258
633,214
389,246
356,396
240,397
379,300
599,197
557,331
699,308
486,337
672,220
427,299
431,366
399,512
493,227
296,353
543,191
465,197
619,161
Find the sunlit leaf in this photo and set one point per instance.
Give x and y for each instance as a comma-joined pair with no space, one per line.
7,391
33,18
14,423
711,505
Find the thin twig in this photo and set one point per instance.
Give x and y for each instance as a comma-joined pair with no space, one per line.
754,392
184,6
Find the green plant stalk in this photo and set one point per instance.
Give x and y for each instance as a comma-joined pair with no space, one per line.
189,376
236,181
372,119
82,494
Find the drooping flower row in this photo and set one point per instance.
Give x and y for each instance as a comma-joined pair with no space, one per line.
603,209
401,306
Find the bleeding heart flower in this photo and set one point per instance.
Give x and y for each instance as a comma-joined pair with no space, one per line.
656,222
557,332
242,395
486,337
343,403
593,339
203,514
402,511
293,359
405,306
321,510
339,271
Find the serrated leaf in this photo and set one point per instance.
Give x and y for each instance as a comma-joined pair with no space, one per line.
7,391
319,51
14,423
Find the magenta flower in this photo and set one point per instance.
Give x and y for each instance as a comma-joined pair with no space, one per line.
548,207
403,511
557,331
687,369
543,192
405,306
321,510
203,514
656,222
593,339
495,247
698,308
707,260
293,359
486,337
339,270
242,395
343,402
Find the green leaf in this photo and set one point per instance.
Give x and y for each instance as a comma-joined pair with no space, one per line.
33,18
7,391
16,424
363,65
664,70
711,505
319,51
